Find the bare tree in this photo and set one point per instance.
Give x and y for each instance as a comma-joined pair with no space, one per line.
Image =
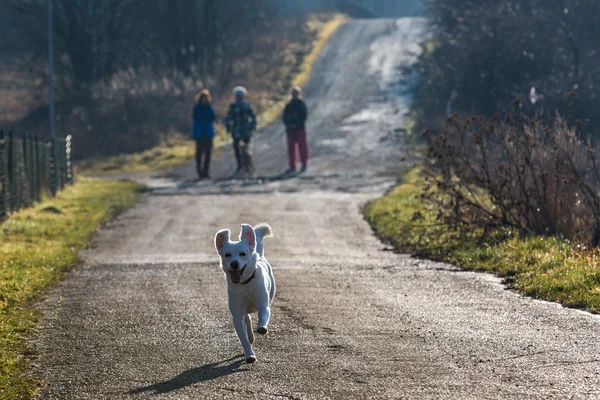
88,32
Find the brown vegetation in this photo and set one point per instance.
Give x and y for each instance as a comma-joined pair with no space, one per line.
516,172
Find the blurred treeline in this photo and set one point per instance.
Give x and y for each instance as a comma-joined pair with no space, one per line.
127,70
483,54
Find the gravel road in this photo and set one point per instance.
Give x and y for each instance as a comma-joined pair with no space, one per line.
146,315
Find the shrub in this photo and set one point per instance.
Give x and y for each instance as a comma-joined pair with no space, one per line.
535,176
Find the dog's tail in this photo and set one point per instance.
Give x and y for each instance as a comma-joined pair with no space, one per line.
262,231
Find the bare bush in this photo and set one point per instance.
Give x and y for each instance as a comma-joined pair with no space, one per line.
518,172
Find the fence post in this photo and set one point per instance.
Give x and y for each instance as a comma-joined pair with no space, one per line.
44,178
41,168
26,172
61,149
20,173
52,167
69,165
32,172
35,169
12,185
3,177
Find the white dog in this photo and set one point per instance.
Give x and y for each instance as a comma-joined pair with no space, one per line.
250,281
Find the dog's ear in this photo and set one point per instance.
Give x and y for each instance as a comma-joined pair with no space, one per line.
247,235
221,238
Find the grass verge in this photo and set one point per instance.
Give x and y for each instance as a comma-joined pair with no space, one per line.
159,158
178,150
37,246
547,268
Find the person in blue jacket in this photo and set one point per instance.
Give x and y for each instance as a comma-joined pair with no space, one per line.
204,131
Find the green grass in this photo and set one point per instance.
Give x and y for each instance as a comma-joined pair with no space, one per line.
547,268
37,246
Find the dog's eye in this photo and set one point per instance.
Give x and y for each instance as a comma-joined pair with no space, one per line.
227,255
242,254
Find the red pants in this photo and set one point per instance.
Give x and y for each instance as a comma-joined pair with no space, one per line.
297,138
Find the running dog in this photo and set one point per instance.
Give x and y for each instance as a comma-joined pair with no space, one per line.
250,281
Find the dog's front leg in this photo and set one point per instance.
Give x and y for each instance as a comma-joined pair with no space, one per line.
240,327
264,314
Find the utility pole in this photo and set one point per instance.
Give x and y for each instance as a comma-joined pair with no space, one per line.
51,70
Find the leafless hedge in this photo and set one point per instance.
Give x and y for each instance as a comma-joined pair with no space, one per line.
536,176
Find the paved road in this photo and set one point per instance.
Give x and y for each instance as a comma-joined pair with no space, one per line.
146,316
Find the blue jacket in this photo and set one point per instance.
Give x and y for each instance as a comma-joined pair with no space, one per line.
204,118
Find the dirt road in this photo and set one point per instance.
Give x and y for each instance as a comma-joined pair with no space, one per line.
146,317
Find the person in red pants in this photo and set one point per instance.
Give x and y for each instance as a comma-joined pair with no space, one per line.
294,118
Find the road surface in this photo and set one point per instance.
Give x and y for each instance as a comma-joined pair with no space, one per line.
146,316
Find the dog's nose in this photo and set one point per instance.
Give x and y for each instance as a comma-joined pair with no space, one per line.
234,265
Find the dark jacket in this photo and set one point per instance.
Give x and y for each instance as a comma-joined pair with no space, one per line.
241,120
294,115
204,118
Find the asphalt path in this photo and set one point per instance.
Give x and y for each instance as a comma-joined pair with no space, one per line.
146,315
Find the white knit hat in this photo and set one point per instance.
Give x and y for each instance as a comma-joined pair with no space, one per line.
240,90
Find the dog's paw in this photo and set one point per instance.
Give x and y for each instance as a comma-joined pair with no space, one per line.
262,330
251,359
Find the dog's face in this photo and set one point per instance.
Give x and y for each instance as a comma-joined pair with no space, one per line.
237,258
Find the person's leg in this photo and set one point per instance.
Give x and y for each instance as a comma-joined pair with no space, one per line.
207,152
291,142
236,149
303,148
249,158
199,157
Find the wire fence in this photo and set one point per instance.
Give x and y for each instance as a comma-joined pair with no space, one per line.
31,167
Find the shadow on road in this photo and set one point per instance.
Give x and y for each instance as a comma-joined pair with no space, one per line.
185,183
192,376
281,177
